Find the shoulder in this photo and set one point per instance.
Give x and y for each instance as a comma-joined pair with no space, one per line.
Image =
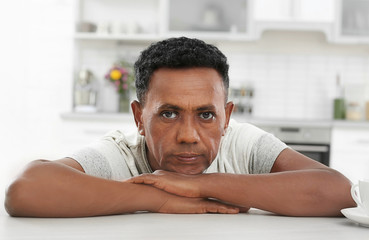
254,148
242,130
249,133
113,156
130,139
131,146
237,148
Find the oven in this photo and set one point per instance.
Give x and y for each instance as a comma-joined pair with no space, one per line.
318,152
311,140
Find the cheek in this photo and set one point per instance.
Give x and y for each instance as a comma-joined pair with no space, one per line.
212,142
157,138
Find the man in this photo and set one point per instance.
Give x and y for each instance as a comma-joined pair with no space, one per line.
186,157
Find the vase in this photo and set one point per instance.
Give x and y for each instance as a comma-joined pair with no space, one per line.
124,102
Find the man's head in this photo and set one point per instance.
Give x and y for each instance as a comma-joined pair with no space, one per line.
178,53
181,110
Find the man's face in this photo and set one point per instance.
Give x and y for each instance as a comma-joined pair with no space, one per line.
183,119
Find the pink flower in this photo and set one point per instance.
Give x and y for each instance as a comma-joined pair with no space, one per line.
120,77
122,70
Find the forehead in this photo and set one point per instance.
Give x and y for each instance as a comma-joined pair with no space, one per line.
186,86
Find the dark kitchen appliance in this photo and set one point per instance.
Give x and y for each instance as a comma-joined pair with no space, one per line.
311,140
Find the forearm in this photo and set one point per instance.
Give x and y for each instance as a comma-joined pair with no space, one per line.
314,192
49,189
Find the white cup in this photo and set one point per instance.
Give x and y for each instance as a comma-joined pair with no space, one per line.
363,200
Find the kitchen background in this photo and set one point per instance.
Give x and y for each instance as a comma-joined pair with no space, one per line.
288,58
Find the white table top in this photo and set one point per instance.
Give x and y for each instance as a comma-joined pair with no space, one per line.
253,225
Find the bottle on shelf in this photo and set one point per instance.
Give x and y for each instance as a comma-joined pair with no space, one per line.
339,110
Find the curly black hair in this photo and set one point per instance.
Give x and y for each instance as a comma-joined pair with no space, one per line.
179,52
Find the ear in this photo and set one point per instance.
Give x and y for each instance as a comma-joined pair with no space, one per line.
228,112
137,114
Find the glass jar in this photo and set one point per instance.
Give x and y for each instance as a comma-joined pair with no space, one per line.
353,111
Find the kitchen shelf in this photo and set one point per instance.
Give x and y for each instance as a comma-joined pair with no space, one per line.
118,37
157,37
74,116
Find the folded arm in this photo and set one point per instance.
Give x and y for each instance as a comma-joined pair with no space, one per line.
61,189
296,186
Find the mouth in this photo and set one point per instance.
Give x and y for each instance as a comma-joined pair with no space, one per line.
187,157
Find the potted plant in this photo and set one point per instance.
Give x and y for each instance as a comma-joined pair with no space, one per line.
120,74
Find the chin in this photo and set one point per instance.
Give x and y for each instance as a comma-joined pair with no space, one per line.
189,170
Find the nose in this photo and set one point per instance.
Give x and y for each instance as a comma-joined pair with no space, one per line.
187,132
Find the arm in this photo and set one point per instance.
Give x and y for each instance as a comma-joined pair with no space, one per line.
296,186
61,189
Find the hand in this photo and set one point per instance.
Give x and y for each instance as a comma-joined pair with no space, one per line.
175,183
188,189
184,205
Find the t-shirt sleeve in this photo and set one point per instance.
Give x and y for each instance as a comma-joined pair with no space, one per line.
102,159
264,153
246,149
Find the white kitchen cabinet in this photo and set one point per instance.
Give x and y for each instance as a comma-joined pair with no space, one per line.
272,10
352,23
151,20
301,15
342,21
345,21
294,10
350,151
208,16
118,17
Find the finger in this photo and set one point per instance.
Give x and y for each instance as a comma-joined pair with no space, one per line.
222,208
228,210
145,179
241,209
152,180
134,180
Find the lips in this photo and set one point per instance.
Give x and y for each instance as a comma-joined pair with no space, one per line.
187,157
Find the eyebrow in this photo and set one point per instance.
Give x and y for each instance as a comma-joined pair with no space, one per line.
177,108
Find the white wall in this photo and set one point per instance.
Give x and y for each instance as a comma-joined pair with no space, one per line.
35,80
294,73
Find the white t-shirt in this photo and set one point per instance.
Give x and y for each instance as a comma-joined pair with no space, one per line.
244,149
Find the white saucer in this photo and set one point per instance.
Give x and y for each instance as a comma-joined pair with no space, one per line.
356,214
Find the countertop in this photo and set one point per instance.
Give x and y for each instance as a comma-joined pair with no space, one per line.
253,225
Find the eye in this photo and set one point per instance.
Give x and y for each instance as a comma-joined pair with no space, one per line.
207,115
169,115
